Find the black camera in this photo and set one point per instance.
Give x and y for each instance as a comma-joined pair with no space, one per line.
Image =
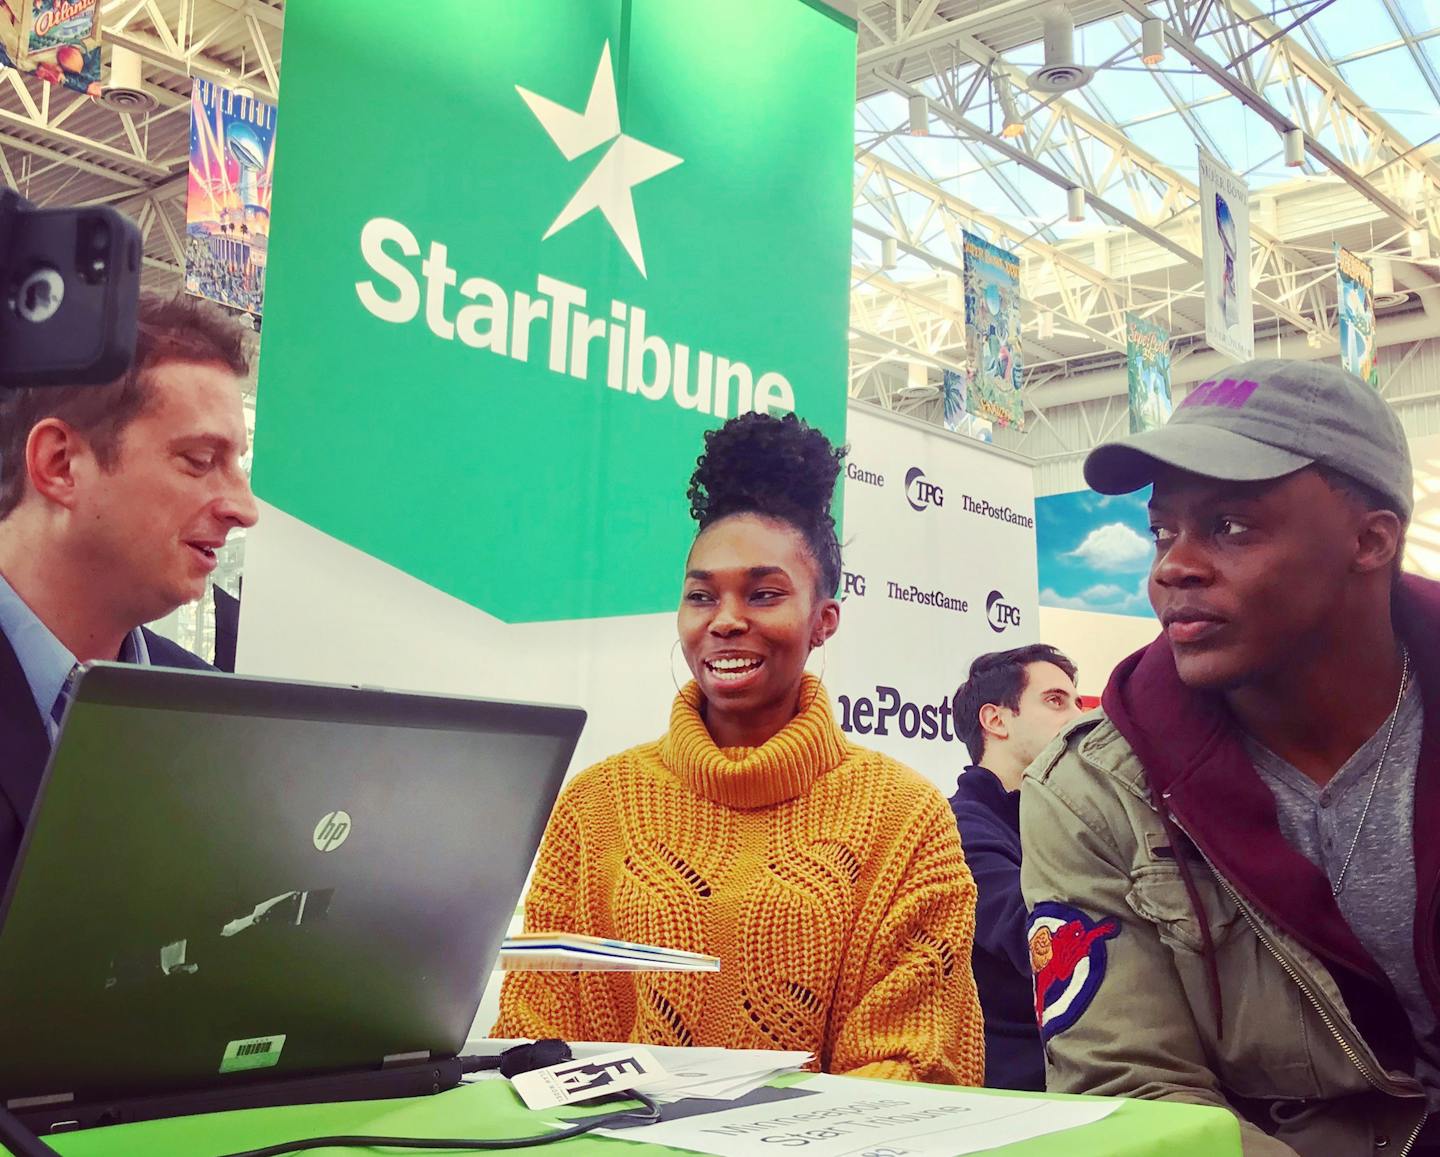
71,291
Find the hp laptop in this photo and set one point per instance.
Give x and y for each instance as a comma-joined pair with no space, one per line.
246,891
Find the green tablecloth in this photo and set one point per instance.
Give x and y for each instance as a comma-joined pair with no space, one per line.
490,1109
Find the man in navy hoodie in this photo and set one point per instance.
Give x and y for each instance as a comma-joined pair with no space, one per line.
1234,871
1012,704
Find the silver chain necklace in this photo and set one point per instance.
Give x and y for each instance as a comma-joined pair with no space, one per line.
1339,883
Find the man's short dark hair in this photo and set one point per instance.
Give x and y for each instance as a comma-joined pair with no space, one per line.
1368,499
999,678
175,329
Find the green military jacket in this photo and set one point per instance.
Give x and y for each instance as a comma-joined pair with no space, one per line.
1124,994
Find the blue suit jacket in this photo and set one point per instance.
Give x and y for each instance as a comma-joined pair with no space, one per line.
25,744
988,817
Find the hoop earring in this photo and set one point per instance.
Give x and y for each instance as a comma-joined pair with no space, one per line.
674,680
819,680
823,655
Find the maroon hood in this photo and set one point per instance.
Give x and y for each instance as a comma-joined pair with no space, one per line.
1197,767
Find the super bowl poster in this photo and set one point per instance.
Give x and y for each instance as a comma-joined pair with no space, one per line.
1355,293
227,216
1147,363
992,329
56,40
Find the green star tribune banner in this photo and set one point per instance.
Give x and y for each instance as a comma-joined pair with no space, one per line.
522,258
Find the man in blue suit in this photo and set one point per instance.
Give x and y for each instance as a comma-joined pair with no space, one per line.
113,502
1012,704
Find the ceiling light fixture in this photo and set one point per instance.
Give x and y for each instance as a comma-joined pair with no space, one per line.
1384,275
1013,126
1152,41
919,116
1294,148
1075,203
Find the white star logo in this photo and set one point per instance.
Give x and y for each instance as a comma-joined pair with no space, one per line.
627,162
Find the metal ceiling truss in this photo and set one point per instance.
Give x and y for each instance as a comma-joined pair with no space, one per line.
139,154
1123,183
1070,147
45,112
181,49
1341,132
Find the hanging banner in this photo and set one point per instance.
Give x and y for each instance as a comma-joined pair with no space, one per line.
1355,297
957,420
489,369
992,333
56,40
939,568
1225,249
227,214
1147,363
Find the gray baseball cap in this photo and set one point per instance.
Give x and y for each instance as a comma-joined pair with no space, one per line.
1266,419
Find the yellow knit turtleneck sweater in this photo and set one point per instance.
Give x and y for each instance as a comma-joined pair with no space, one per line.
828,879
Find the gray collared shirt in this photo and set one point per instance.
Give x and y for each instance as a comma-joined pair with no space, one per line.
46,661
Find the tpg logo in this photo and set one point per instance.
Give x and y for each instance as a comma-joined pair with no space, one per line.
1000,614
919,493
852,584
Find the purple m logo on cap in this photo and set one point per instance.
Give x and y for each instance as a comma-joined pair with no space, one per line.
1228,392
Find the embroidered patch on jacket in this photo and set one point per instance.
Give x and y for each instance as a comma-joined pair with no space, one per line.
1067,956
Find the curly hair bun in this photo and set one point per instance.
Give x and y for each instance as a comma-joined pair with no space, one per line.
776,467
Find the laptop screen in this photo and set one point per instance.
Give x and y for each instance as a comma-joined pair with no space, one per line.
227,879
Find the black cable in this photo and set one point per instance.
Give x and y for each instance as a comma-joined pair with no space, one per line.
648,1116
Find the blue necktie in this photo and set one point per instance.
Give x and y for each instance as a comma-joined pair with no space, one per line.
57,709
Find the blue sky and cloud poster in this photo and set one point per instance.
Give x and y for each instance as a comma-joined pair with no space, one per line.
1095,552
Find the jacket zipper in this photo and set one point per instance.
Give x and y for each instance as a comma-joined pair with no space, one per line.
1381,1083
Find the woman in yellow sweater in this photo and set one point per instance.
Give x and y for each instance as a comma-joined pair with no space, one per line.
827,878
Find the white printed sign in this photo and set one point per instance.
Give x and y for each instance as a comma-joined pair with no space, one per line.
845,1117
939,568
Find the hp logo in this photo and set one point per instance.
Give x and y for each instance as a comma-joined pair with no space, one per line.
332,831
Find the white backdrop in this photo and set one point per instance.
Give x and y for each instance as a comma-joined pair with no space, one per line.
940,567
316,608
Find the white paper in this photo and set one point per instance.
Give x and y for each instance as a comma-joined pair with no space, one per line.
845,1117
722,1074
585,1078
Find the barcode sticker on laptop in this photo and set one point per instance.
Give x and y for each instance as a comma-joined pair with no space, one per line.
256,1052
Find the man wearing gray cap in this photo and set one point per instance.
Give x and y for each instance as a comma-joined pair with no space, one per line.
1233,870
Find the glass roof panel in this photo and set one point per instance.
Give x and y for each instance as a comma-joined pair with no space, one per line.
1391,84
1349,27
1169,140
1422,15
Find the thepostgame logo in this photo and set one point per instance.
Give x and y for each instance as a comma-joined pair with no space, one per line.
999,614
852,584
920,492
865,477
1067,957
889,709
986,509
910,593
